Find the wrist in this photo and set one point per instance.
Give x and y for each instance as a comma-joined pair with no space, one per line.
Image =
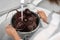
16,36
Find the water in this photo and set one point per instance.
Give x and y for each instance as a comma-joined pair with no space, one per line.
22,12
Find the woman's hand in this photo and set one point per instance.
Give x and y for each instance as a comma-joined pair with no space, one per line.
12,32
43,16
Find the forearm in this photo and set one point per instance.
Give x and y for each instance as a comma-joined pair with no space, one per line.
16,37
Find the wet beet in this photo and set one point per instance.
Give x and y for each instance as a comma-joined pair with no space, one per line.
29,23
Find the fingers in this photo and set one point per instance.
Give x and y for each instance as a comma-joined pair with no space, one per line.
9,26
10,30
42,16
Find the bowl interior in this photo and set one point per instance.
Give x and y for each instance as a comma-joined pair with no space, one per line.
37,21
